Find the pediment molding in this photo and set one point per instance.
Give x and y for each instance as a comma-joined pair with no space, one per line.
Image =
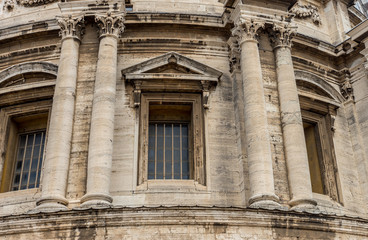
24,68
171,72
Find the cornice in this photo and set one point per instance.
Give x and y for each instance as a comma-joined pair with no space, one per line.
196,215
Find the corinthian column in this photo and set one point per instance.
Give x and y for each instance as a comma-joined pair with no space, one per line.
103,112
291,119
257,136
55,171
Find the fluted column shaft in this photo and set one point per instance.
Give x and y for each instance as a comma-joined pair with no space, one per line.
55,171
291,119
257,135
103,113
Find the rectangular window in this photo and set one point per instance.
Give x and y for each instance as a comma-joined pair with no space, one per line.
314,156
171,142
168,151
24,144
29,158
317,123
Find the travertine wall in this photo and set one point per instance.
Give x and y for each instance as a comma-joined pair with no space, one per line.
199,30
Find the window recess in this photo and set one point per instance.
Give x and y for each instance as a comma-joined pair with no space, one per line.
171,94
318,122
24,143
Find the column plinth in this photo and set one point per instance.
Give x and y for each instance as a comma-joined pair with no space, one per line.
56,166
103,114
257,135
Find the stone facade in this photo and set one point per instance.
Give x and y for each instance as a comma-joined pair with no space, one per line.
255,75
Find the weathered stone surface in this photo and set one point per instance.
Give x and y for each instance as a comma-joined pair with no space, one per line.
252,90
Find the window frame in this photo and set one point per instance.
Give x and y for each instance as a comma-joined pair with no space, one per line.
196,152
8,144
323,114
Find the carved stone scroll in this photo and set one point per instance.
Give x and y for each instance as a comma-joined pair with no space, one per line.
110,24
71,26
306,11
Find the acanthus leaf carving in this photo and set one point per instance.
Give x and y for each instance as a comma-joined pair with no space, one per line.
110,24
281,35
71,26
247,29
306,11
32,3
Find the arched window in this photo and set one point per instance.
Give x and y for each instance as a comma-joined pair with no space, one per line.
319,104
26,93
318,113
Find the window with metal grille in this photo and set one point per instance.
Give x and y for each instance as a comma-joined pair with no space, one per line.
29,156
171,143
168,151
168,140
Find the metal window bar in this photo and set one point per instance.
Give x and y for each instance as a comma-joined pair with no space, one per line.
28,162
163,153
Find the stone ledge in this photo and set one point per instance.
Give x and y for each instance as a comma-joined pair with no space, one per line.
103,217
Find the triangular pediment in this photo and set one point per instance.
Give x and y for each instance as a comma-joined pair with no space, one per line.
171,66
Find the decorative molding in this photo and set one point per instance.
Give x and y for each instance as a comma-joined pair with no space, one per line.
205,94
190,76
28,67
281,35
234,54
9,5
246,30
32,3
71,26
347,90
110,24
137,93
306,11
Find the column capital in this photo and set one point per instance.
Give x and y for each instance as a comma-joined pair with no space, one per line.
110,24
281,34
71,27
246,29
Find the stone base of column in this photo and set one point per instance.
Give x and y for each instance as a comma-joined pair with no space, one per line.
96,200
303,204
51,204
267,201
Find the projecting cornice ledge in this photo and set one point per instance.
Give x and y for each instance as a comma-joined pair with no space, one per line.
117,217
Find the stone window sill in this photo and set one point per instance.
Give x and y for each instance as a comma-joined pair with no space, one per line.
17,197
170,186
324,202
